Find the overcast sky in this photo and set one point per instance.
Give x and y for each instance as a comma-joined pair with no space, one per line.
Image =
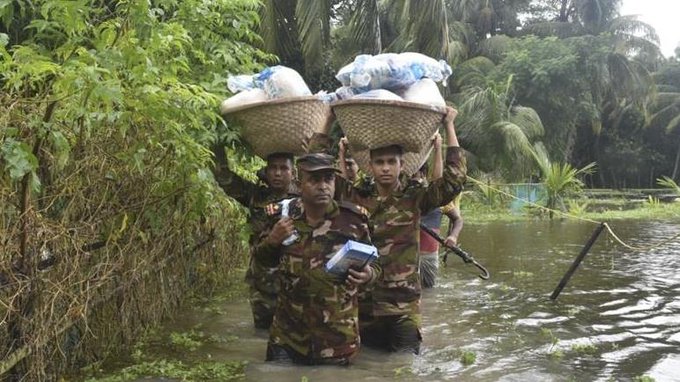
663,15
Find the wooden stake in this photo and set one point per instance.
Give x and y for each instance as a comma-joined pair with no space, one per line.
577,262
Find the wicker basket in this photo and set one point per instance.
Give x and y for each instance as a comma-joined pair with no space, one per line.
373,123
281,125
412,161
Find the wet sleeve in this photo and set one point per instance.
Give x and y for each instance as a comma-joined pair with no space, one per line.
265,253
441,191
232,184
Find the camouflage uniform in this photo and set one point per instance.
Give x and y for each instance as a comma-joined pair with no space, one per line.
261,278
391,309
316,320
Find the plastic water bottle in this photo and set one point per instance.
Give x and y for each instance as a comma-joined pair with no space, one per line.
284,213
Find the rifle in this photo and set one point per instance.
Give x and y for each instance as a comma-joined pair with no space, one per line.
462,254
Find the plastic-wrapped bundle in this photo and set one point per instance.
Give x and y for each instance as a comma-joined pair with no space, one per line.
424,91
392,71
276,81
378,94
281,82
243,98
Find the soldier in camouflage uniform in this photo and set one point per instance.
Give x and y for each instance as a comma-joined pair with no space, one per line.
390,313
278,185
316,319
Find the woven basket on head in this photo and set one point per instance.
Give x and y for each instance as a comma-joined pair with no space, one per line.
281,125
375,123
412,161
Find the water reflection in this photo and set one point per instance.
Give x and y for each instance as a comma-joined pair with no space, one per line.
618,318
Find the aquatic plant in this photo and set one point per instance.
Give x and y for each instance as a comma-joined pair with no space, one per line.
197,372
468,358
584,349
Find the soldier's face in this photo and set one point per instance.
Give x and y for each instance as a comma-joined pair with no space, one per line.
351,169
317,188
279,173
386,168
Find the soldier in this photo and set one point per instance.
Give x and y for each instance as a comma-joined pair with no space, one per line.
390,313
316,319
429,247
276,185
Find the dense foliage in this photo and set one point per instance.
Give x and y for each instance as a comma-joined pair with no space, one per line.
109,213
571,77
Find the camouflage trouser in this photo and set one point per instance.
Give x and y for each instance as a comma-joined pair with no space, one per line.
282,353
392,333
263,305
429,268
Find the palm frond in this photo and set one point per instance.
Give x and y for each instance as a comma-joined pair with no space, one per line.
630,25
427,26
495,47
365,26
553,28
515,142
673,124
277,27
473,72
528,120
669,183
313,22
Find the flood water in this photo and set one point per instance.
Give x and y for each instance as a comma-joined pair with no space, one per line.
617,319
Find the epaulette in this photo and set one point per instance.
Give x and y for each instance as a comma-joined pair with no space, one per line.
272,209
355,208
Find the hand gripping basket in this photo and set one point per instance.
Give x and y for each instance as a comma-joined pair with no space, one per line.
411,161
374,123
281,125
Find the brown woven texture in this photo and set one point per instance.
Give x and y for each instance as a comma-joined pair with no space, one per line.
281,125
371,124
412,161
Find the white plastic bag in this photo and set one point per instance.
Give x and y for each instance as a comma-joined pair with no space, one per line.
378,94
276,81
281,82
392,71
242,82
424,91
243,98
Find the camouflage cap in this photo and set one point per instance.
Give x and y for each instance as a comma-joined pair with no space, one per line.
316,162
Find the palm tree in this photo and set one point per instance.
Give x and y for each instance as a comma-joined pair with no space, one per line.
298,32
498,132
665,106
560,180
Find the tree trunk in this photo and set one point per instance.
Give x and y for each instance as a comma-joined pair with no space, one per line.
677,163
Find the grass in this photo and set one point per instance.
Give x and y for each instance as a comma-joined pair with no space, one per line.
475,212
169,355
199,371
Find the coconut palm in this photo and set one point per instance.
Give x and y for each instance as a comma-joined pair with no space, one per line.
494,129
665,106
560,180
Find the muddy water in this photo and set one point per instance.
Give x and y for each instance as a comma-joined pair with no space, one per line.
619,317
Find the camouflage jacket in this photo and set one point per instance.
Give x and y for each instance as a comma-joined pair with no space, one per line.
316,312
395,221
255,197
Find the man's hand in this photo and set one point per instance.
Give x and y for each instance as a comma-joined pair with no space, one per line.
451,138
360,277
451,240
281,230
451,114
437,141
342,145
